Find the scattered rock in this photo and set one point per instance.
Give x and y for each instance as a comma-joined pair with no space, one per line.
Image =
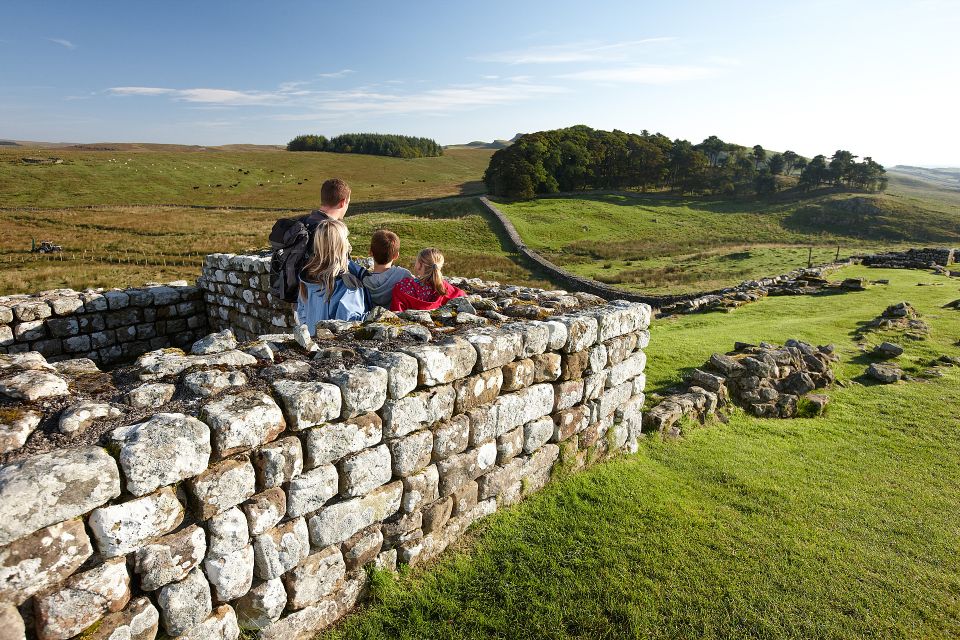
77,418
215,343
884,373
887,350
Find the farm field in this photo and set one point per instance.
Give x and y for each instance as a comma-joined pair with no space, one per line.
842,526
229,178
664,244
127,246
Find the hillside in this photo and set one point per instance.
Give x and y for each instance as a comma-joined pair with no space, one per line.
662,244
265,177
945,178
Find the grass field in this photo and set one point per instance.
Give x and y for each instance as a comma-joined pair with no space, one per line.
844,526
118,246
663,244
263,178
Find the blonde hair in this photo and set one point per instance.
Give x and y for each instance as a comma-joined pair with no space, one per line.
432,261
331,254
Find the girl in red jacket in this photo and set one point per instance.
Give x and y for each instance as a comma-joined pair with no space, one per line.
428,290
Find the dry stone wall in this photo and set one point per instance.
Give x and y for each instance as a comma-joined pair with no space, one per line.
236,290
242,489
106,326
911,258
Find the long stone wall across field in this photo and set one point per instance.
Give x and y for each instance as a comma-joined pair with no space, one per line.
249,485
106,326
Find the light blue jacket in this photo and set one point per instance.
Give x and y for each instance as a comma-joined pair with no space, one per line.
349,301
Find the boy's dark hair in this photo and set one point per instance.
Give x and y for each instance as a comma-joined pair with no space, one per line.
384,246
333,192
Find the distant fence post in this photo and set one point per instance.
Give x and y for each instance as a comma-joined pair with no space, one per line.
809,257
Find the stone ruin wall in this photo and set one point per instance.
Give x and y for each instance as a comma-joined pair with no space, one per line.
262,507
236,290
106,326
911,258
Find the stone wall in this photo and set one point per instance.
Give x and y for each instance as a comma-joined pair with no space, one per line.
242,486
106,326
236,289
911,258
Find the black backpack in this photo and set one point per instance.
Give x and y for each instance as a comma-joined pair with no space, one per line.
290,242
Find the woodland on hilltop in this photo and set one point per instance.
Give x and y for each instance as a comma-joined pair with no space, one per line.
580,158
377,144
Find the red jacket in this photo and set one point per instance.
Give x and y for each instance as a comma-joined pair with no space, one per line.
410,293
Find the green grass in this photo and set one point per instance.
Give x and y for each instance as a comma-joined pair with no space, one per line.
843,526
127,246
273,178
663,244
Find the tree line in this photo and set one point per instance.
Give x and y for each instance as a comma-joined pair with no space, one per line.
579,158
377,144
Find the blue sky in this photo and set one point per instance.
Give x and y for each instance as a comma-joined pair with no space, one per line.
879,78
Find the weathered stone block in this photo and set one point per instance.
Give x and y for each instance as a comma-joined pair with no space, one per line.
223,485
165,449
315,577
501,478
211,382
495,347
483,423
597,356
409,414
365,470
546,367
41,560
402,370
330,442
594,385
122,528
435,516
31,310
152,394
139,621
185,604
362,547
569,421
220,625
581,332
451,437
170,558
443,362
82,600
310,490
567,394
364,388
523,406
420,488
519,374
509,445
63,327
215,343
280,549
461,468
240,422
306,404
263,604
53,487
612,398
16,426
411,453
278,462
573,365
475,390
537,433
624,371
230,575
307,622
265,510
226,532
337,522
34,386
538,468
465,498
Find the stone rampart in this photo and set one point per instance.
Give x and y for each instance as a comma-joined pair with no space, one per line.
911,258
106,326
249,485
236,290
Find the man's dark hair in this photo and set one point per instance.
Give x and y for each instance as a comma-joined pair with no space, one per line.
333,192
384,246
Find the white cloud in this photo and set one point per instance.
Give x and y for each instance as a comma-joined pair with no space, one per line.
336,74
207,96
63,43
643,74
573,52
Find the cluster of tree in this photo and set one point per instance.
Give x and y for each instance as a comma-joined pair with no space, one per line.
578,158
378,144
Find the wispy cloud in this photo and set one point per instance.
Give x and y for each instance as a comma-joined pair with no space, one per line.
375,99
336,74
643,74
572,52
63,43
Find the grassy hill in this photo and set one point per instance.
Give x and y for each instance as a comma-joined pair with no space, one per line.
661,244
127,246
842,526
146,174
